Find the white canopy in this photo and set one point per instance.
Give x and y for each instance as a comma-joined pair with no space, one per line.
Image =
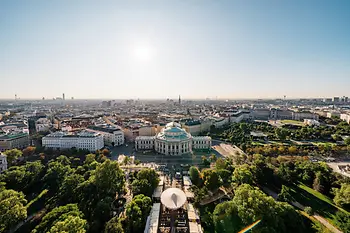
173,198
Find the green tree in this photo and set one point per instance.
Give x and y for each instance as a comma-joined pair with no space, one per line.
281,133
342,195
134,217
213,158
226,219
347,141
252,205
55,175
309,210
68,190
195,175
22,177
89,159
211,179
146,181
109,178
205,161
61,214
12,209
114,226
343,220
243,174
145,204
71,224
285,194
12,155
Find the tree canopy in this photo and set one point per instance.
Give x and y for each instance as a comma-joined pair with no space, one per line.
12,208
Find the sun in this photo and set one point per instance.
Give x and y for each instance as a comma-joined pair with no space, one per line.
143,53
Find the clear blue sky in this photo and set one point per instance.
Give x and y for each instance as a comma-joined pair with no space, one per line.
159,49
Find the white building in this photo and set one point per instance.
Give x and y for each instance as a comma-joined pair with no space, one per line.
345,117
91,141
172,140
3,163
112,136
42,125
311,122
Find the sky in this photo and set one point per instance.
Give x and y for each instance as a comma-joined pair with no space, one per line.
162,49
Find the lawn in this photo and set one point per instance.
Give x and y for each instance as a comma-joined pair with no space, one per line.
292,122
330,144
320,203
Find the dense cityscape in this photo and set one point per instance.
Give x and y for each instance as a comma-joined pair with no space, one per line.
174,116
175,165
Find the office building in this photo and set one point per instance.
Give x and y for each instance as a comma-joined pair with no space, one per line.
112,136
13,140
86,140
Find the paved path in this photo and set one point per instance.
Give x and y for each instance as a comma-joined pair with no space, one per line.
300,206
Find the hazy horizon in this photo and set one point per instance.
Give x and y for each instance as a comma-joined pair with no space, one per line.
163,49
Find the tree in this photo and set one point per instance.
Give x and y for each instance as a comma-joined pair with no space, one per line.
195,175
252,205
226,219
318,183
68,189
30,150
242,174
61,214
343,220
55,174
22,177
285,194
114,226
281,133
211,179
205,161
109,178
342,195
106,152
12,209
212,158
347,141
12,155
146,181
89,159
292,150
71,224
309,210
221,164
145,204
134,217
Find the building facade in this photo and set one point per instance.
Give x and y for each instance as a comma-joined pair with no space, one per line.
172,140
91,141
3,163
112,136
13,140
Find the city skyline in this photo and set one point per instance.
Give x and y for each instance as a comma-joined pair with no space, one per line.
158,50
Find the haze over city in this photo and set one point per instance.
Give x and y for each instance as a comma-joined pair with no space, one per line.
160,49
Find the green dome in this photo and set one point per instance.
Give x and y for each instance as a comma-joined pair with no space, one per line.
173,132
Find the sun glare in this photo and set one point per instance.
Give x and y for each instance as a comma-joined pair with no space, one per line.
144,53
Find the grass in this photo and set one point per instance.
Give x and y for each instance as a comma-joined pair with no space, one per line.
292,122
37,197
330,144
320,203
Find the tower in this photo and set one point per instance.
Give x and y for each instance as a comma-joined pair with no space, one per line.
179,100
63,97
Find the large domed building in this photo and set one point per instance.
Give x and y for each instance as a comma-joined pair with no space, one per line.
172,140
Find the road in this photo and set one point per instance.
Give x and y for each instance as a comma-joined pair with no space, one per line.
321,219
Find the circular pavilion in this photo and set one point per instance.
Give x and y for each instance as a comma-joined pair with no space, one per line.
173,198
